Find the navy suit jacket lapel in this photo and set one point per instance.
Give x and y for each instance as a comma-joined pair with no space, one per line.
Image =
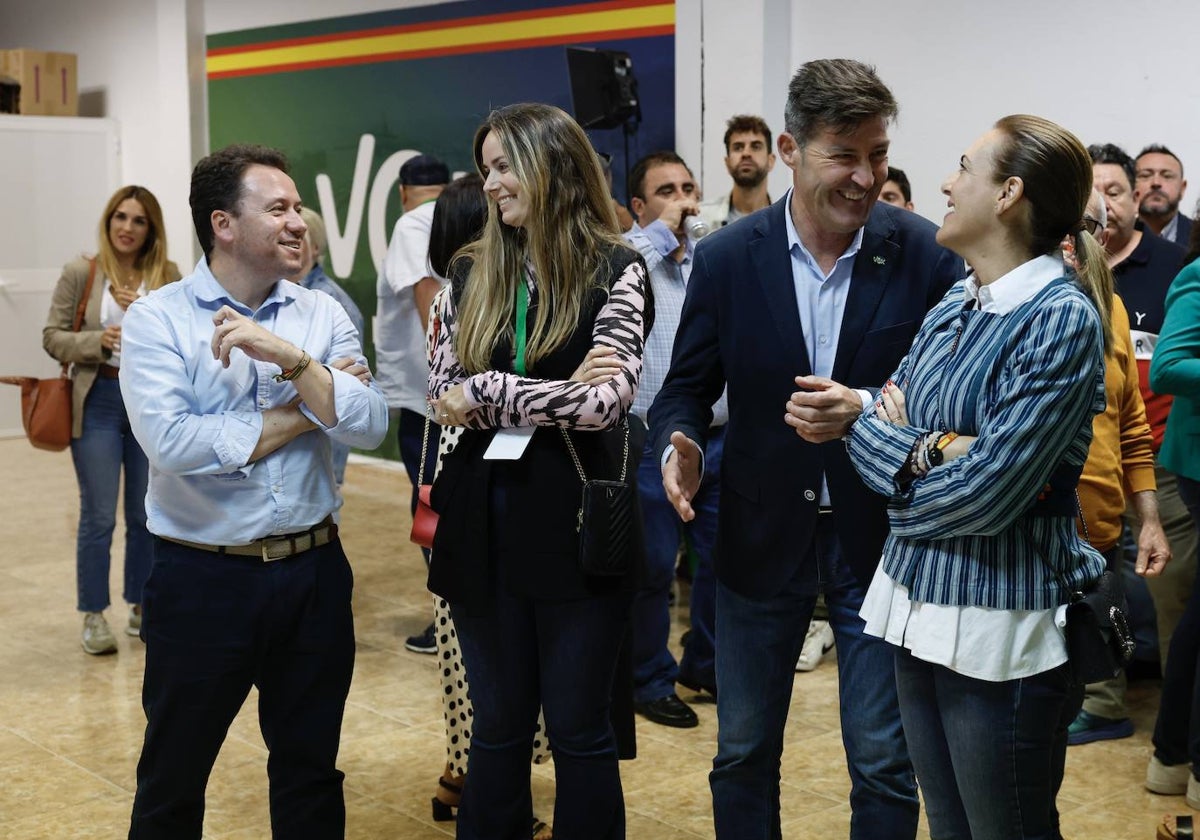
873,268
773,268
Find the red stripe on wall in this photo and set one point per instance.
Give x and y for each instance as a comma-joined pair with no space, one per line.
558,11
583,37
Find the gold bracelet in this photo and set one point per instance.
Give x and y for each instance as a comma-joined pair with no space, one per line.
289,375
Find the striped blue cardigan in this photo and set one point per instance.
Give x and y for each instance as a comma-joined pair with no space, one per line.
1027,383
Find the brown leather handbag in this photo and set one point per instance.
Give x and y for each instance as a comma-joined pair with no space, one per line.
46,403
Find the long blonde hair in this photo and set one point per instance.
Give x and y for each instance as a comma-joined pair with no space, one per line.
151,261
1056,172
569,231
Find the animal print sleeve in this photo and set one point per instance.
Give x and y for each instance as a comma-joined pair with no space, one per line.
505,399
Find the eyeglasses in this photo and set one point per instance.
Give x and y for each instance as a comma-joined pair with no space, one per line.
1093,226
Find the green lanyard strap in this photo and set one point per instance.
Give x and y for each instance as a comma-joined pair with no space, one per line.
522,313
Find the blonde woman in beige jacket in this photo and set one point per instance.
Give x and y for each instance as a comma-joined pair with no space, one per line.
132,261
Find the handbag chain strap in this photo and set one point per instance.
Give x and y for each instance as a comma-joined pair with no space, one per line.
579,466
1062,581
424,446
436,325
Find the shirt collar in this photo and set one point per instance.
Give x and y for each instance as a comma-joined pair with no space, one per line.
793,237
1017,286
209,290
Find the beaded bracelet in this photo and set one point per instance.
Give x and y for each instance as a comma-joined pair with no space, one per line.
289,375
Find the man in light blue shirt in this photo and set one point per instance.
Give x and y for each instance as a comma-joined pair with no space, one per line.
663,193
236,382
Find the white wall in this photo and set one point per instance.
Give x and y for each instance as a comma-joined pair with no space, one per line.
142,63
956,68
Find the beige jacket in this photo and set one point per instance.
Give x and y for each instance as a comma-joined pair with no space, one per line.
81,349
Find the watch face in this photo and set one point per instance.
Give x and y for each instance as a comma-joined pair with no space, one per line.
936,456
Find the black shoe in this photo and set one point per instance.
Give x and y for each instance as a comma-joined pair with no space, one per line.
424,643
705,693
669,711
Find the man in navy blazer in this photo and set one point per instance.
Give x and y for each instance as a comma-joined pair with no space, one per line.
803,310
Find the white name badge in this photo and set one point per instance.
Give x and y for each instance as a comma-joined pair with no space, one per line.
509,444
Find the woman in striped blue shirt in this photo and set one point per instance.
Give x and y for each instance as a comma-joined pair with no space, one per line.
978,439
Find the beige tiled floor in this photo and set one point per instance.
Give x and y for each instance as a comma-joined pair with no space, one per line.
71,724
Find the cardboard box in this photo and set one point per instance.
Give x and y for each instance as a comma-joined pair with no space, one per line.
49,85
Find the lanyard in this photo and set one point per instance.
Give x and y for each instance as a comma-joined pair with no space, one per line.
522,312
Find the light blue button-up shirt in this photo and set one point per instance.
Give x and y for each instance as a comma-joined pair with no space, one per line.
199,422
821,299
668,280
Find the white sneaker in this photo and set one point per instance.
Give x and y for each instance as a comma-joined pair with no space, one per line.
818,641
97,637
134,627
1167,779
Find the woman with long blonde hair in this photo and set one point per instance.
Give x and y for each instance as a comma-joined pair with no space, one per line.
131,261
537,355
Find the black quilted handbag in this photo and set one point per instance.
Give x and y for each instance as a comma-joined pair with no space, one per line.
605,519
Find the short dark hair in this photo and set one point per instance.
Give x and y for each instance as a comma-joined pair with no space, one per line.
1159,149
459,215
637,175
1114,154
835,93
746,123
901,180
217,184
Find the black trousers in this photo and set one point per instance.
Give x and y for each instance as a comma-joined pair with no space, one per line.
214,625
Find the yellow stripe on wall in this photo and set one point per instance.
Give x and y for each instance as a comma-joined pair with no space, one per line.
454,37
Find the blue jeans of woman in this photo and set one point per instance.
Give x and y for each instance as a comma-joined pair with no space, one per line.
107,445
1177,730
561,655
989,756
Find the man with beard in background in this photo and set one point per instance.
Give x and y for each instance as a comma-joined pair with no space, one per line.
749,158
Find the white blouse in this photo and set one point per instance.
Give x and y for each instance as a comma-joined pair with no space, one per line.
111,315
980,642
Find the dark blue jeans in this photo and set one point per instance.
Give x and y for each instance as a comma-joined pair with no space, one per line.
107,445
654,668
757,646
1177,729
214,625
990,755
562,656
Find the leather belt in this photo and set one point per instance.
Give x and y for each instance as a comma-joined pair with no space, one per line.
108,372
269,549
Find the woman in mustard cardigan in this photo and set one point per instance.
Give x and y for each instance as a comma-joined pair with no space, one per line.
132,260
1176,370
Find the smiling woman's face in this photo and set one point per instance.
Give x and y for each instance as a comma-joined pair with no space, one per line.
500,182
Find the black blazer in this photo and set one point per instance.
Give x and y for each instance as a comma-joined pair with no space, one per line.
741,326
1183,231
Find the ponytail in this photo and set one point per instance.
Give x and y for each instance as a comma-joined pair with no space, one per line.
1096,279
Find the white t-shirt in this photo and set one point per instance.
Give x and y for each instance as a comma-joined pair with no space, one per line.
402,370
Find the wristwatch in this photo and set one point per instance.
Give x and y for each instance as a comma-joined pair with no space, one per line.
936,454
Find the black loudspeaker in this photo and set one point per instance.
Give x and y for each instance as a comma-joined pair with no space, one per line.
603,87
